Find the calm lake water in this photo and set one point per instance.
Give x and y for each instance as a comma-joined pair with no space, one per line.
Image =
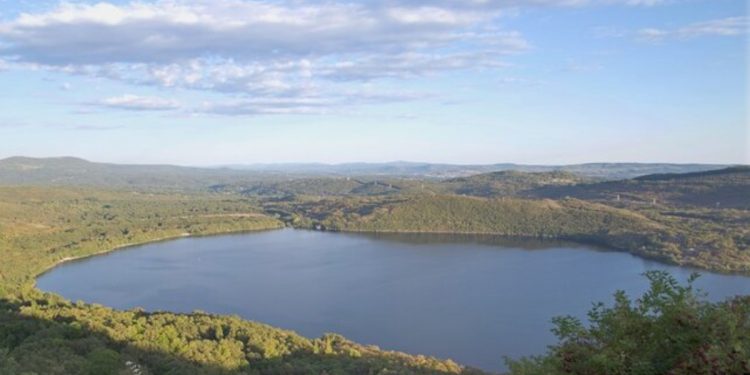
472,299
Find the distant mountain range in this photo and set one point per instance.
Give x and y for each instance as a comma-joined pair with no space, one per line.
437,170
79,172
69,171
412,169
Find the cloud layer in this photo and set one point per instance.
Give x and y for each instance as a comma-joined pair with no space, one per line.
139,103
730,26
280,50
286,56
167,32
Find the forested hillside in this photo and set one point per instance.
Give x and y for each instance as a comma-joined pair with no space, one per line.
69,171
669,238
511,182
42,226
724,188
66,171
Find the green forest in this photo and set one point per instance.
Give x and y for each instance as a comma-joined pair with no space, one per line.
699,219
714,240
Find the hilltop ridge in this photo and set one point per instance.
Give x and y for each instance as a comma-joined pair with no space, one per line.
73,171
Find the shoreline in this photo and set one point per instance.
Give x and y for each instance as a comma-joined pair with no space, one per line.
579,241
136,244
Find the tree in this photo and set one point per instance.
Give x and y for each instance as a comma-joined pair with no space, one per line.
671,329
103,362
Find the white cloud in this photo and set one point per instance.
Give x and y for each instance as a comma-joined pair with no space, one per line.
167,31
503,4
253,47
266,106
139,103
431,15
331,103
273,52
731,26
409,65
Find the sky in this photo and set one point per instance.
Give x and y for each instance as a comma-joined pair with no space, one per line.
199,82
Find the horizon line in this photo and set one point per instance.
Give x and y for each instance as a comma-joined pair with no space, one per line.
313,163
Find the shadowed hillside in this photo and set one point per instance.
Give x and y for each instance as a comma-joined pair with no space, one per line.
44,334
78,172
510,182
723,188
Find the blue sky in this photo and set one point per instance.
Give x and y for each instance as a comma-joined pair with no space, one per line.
228,81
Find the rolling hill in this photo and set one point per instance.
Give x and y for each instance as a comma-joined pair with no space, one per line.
722,188
510,182
69,171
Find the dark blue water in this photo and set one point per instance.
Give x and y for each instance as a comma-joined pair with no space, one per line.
472,299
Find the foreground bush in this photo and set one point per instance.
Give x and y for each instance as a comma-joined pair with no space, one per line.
671,329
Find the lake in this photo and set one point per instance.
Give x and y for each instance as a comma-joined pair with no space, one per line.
473,299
